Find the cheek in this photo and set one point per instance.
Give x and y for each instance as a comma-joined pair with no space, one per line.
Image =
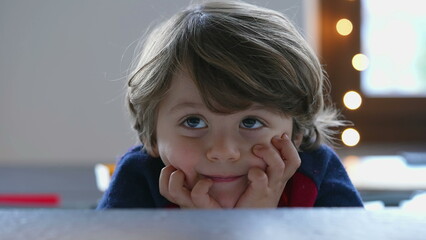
257,162
263,138
182,156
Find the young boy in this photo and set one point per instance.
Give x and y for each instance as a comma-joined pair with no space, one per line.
228,101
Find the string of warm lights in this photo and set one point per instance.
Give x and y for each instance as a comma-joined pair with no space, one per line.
352,99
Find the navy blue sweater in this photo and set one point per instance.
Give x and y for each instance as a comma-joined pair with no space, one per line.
320,181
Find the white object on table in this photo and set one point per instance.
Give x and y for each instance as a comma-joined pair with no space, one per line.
385,173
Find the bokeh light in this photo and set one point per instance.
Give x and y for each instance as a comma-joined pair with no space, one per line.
352,100
350,137
360,62
344,27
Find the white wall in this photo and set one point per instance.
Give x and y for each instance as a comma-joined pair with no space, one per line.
62,75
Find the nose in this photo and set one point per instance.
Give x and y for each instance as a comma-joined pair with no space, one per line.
223,148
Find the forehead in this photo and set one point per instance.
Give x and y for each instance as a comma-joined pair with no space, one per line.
183,93
182,89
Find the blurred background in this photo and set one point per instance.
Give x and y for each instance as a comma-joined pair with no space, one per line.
63,68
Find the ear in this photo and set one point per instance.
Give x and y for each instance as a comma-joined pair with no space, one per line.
297,139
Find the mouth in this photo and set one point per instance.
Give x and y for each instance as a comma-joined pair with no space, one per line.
223,179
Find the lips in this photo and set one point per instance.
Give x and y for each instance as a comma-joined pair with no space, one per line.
223,179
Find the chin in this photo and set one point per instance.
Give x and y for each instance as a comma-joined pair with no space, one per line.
227,198
227,204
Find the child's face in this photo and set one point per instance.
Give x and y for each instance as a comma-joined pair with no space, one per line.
204,144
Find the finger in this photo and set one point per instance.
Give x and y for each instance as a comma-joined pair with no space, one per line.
288,153
275,164
200,194
258,180
164,181
257,190
177,190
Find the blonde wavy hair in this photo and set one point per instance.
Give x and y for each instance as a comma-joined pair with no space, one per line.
236,54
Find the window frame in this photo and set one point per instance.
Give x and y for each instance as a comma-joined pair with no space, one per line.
378,119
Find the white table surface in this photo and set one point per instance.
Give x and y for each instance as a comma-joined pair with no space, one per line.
320,223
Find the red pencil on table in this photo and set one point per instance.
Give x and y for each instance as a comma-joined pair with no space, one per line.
30,200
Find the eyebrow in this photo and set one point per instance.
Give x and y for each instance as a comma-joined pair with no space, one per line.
182,105
195,105
257,107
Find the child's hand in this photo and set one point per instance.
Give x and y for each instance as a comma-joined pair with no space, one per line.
266,187
172,187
